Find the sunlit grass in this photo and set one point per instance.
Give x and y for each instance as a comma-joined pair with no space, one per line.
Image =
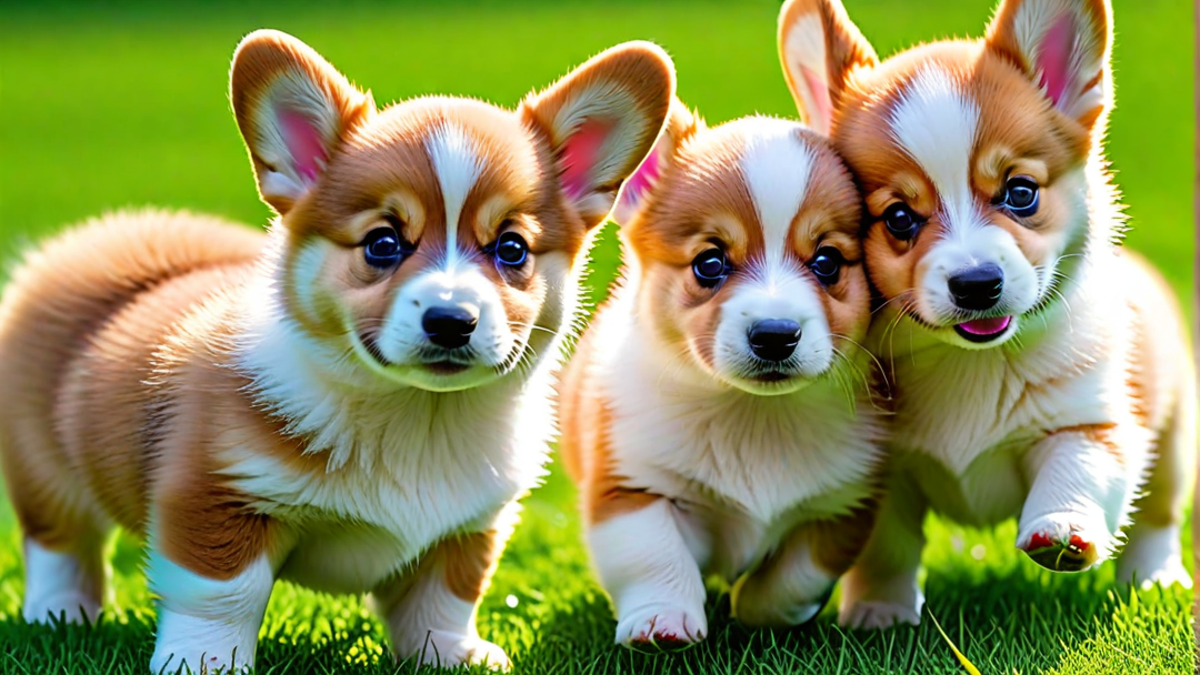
101,108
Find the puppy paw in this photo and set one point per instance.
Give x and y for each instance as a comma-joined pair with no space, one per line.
1153,557
69,606
661,628
447,650
1064,542
877,615
754,605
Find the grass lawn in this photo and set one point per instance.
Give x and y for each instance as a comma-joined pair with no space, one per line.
126,106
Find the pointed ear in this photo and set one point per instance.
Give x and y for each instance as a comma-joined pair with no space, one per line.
820,49
293,109
601,120
681,125
1062,46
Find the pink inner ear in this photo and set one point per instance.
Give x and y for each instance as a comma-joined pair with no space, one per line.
638,185
579,154
645,175
1054,58
304,143
820,93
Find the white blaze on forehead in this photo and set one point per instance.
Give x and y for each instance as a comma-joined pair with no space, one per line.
935,123
776,165
457,165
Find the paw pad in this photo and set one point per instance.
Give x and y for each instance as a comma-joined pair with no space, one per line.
1071,554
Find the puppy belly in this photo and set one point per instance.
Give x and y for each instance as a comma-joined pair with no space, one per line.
990,491
344,558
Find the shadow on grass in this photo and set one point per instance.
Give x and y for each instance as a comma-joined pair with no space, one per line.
1002,623
1026,624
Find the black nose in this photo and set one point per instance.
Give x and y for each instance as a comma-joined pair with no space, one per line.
449,327
774,339
977,288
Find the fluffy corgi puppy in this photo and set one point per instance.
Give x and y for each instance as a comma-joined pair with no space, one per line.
716,415
353,401
1038,371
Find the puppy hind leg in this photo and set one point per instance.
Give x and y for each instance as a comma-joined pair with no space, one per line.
1154,552
65,583
430,611
793,585
881,589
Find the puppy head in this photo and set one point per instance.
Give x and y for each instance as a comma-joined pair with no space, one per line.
745,245
973,156
436,243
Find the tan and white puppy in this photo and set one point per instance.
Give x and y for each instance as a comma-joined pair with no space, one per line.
354,401
716,414
1038,371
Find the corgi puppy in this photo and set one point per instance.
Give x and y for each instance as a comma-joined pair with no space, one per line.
1037,370
716,415
355,400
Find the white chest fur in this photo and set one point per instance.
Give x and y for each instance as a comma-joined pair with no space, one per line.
746,468
404,468
966,419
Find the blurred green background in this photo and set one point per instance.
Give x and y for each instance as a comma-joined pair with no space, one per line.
124,104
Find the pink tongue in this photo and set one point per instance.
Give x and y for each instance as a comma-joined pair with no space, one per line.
986,326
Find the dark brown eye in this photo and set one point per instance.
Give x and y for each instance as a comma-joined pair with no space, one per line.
827,264
901,221
511,249
1021,196
384,248
710,267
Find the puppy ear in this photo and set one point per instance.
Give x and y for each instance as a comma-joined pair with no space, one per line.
681,125
1062,46
293,109
601,120
820,49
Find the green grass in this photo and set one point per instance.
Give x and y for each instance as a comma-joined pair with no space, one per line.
101,109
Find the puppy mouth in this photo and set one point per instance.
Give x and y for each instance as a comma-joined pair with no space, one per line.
768,376
445,367
435,360
983,330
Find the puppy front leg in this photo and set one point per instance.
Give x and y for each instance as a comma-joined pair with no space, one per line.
646,567
430,612
881,589
793,584
211,601
1081,494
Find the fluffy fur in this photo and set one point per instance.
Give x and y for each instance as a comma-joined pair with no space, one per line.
264,406
1065,395
695,456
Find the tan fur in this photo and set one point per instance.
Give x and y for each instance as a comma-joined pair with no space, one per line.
667,473
57,303
1106,391
135,388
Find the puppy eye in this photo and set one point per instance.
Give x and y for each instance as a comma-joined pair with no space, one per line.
511,249
710,267
827,264
901,221
383,248
1021,196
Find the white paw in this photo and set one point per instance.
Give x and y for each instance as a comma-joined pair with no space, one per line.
198,661
190,645
759,605
1066,542
449,650
662,627
1153,556
876,615
72,605
1170,574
